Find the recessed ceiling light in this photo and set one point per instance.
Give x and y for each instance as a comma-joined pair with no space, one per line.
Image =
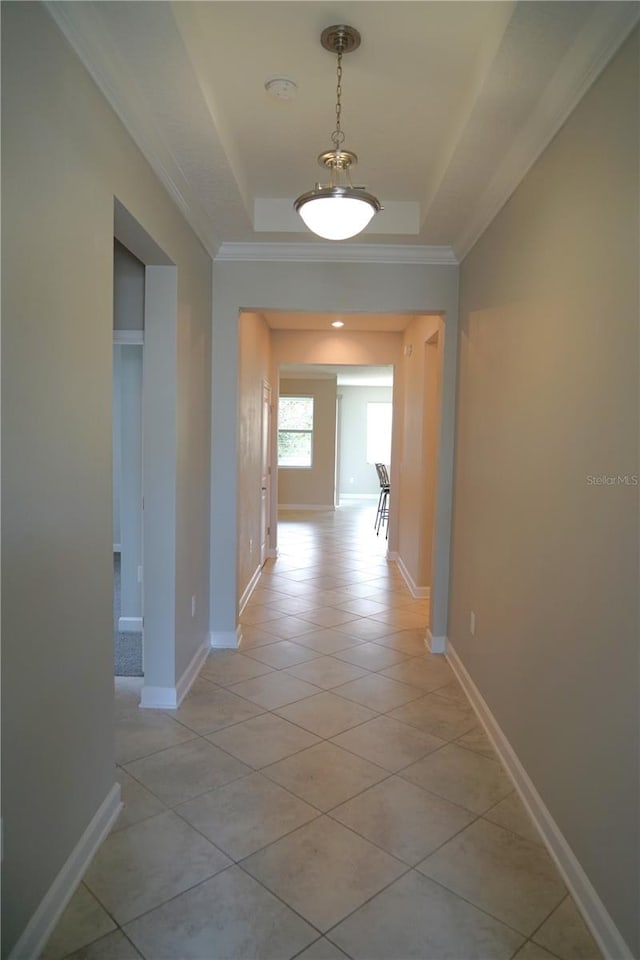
337,323
281,88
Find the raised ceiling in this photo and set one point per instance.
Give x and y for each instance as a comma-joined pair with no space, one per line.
446,104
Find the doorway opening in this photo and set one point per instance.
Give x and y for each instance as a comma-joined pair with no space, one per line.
128,340
324,451
350,430
146,288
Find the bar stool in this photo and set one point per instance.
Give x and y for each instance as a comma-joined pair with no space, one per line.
382,514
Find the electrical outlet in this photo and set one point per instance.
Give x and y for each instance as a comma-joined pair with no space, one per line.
472,624
250,545
140,574
193,606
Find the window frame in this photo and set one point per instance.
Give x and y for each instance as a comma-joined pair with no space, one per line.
289,430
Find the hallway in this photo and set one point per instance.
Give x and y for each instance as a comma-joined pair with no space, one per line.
324,792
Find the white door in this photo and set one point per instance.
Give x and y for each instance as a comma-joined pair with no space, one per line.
265,474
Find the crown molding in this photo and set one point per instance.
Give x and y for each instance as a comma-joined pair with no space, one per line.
336,253
79,26
603,34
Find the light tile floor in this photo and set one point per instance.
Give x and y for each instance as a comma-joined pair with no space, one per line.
325,792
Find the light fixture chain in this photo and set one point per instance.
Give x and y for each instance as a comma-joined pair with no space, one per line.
337,137
338,210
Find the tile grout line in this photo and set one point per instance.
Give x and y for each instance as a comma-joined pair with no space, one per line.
390,589
200,883
444,887
567,896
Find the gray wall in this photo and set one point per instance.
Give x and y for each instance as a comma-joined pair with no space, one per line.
64,158
548,397
357,477
128,289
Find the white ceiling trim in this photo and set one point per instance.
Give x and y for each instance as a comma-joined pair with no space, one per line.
604,31
114,81
596,44
336,253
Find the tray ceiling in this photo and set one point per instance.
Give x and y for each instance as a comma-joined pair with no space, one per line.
446,104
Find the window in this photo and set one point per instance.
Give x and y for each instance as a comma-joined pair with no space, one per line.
379,432
295,431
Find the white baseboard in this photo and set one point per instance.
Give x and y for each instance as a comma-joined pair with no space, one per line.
435,644
225,639
170,698
43,921
159,698
359,496
272,553
117,548
130,625
130,338
187,679
596,915
418,592
253,583
306,506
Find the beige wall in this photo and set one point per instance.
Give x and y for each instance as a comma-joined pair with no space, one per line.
314,346
64,158
421,366
315,486
432,351
254,350
548,397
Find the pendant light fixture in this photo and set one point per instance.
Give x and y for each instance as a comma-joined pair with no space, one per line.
338,210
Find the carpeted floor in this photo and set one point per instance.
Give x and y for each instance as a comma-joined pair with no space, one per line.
127,647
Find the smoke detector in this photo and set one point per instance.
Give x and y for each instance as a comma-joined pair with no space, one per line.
281,88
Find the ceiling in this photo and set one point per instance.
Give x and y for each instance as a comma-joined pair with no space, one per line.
353,322
446,105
